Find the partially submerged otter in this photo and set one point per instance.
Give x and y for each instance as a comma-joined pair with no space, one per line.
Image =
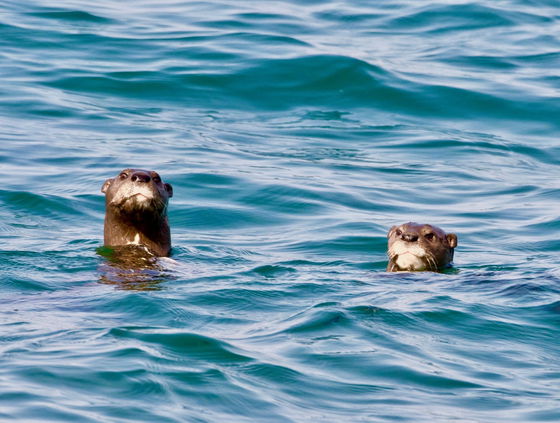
136,211
415,247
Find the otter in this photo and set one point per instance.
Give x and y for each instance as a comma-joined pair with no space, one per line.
136,211
417,247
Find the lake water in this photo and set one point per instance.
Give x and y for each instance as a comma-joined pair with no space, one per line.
295,134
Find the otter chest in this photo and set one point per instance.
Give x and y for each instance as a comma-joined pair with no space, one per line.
135,240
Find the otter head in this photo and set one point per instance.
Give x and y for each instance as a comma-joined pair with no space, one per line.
416,247
136,211
138,194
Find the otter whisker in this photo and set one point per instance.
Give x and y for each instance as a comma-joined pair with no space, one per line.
433,262
429,261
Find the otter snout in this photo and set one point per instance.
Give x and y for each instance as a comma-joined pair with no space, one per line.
140,177
408,237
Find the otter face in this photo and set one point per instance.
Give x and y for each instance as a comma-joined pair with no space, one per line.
137,191
417,247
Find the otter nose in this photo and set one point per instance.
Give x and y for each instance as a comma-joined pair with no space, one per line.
140,177
409,237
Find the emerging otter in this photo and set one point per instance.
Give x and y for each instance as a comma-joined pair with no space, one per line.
136,211
414,247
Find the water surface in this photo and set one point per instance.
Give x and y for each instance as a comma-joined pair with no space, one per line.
294,135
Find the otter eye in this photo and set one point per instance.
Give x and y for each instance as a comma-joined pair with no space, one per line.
398,232
429,236
156,179
123,175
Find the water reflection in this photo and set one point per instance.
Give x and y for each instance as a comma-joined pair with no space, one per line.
132,268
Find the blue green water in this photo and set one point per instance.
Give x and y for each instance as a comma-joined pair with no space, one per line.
295,134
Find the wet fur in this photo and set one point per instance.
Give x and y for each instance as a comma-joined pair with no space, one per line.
427,244
136,211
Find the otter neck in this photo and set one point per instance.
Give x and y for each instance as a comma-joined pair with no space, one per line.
154,234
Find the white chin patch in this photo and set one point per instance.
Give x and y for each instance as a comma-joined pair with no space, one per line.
409,261
141,198
132,192
409,256
141,191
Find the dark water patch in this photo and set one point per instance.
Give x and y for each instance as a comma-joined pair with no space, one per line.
363,244
274,271
549,415
29,202
286,199
204,181
71,16
319,321
30,271
461,17
193,346
553,307
231,216
431,381
245,301
292,387
540,59
144,308
337,16
23,284
293,80
484,17
471,104
265,21
485,62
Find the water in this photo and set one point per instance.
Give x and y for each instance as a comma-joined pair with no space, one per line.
294,135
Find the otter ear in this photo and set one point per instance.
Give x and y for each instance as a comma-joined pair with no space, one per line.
169,190
452,240
106,185
390,233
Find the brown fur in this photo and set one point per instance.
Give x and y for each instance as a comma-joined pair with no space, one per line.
136,211
414,246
